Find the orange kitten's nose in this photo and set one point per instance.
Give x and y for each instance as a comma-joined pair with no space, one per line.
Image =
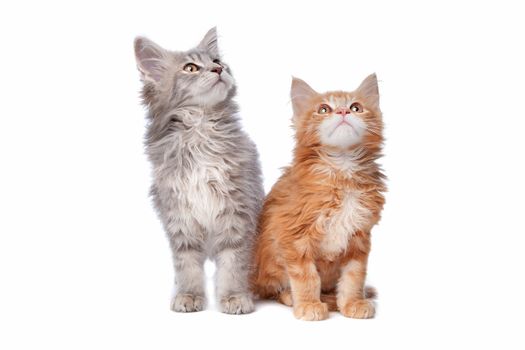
343,111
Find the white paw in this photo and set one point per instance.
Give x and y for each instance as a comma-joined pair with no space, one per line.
237,304
187,303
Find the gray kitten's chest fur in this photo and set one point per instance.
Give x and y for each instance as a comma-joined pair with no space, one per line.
199,170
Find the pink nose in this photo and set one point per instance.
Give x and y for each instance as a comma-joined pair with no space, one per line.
343,111
217,70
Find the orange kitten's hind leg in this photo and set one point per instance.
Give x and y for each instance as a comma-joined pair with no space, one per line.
285,297
330,300
269,280
267,289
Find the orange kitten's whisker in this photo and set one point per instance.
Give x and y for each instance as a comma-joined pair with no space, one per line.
375,132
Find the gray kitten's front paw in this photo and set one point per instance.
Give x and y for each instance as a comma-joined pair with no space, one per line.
237,304
187,303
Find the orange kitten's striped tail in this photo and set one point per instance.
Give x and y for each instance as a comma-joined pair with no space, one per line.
370,292
331,299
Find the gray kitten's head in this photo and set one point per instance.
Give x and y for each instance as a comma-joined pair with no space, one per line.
196,77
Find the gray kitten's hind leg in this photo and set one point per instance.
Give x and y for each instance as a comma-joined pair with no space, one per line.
188,261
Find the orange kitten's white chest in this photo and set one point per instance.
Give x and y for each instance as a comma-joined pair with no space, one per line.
340,223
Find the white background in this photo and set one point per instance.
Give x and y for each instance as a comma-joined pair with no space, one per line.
84,263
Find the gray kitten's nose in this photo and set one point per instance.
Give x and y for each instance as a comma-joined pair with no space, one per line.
217,70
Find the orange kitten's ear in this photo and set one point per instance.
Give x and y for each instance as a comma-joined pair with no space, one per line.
301,94
151,59
369,90
209,42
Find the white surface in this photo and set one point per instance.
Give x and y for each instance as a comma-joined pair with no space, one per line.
83,260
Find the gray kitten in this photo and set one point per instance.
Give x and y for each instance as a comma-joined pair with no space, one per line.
207,185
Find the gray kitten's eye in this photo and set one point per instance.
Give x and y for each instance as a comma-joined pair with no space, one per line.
356,107
191,68
218,61
323,109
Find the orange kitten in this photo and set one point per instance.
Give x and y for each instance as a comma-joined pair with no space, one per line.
314,231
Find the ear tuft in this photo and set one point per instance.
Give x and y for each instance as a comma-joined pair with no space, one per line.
151,59
300,93
369,90
209,42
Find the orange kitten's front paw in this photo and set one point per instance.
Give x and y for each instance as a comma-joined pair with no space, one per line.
361,308
315,311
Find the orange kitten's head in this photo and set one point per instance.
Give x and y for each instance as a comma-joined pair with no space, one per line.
337,119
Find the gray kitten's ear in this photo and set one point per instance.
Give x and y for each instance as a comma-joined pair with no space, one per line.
369,90
209,42
301,93
151,59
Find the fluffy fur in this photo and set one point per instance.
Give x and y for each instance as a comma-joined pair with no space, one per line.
207,186
314,232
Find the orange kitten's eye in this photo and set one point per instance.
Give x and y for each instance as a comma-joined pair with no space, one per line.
191,68
323,109
356,107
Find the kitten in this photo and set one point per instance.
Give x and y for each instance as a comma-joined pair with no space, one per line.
314,231
207,186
